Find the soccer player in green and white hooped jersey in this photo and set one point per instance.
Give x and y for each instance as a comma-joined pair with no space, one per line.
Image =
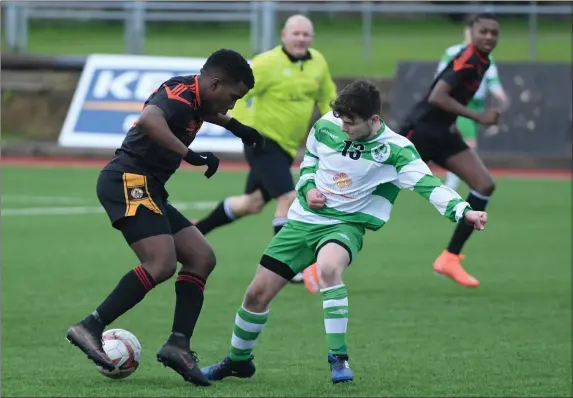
490,84
352,172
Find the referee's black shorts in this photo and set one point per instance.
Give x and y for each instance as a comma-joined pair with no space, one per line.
434,142
269,170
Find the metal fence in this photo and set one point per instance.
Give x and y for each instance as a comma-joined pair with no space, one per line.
262,16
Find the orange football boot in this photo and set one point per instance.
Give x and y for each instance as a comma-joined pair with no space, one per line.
311,279
448,264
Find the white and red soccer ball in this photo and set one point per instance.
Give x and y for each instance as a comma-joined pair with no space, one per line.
123,348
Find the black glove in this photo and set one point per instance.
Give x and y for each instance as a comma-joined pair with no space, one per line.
202,159
248,135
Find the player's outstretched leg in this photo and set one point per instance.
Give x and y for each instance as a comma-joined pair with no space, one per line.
249,323
284,201
158,264
278,224
332,259
87,336
230,210
221,215
469,167
197,262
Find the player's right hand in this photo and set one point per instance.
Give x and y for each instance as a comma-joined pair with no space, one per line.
315,199
477,219
203,159
489,117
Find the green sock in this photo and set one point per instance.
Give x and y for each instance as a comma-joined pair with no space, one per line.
248,326
335,306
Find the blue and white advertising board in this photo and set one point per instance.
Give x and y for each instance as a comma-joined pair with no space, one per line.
110,95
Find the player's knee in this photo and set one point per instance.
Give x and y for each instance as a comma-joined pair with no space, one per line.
255,207
329,274
257,298
162,266
487,187
490,188
207,262
255,203
201,264
244,205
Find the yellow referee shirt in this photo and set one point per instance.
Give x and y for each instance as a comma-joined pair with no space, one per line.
286,90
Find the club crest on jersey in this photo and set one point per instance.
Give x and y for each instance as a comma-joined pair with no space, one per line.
137,193
342,180
381,153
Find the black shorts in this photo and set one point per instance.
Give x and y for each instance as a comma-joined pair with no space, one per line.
269,170
435,143
138,206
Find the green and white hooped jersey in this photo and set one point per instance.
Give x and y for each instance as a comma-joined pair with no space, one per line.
361,179
490,81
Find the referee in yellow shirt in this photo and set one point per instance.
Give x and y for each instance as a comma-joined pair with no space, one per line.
290,80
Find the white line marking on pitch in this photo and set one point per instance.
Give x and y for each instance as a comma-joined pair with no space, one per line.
7,198
80,210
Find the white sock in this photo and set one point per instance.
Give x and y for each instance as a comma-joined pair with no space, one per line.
228,210
452,181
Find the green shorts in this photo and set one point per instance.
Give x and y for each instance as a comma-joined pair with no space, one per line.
296,245
468,127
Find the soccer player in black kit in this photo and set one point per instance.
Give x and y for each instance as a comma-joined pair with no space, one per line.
131,188
431,126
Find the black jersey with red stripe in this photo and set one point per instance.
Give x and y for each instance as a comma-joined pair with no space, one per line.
180,102
464,74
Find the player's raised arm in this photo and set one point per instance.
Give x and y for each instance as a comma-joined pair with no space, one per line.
169,104
462,70
247,134
415,175
154,124
495,87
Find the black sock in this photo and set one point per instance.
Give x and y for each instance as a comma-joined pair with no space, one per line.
464,231
217,218
279,223
188,303
130,290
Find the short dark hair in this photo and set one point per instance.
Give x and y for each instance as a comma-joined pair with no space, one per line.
232,65
480,16
360,98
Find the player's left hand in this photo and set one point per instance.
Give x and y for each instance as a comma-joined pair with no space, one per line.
203,159
249,135
476,218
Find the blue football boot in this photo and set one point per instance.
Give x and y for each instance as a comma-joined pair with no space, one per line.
229,368
341,372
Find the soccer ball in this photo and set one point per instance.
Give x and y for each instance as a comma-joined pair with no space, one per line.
123,348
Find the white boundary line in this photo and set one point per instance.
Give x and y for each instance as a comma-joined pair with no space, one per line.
8,198
82,210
